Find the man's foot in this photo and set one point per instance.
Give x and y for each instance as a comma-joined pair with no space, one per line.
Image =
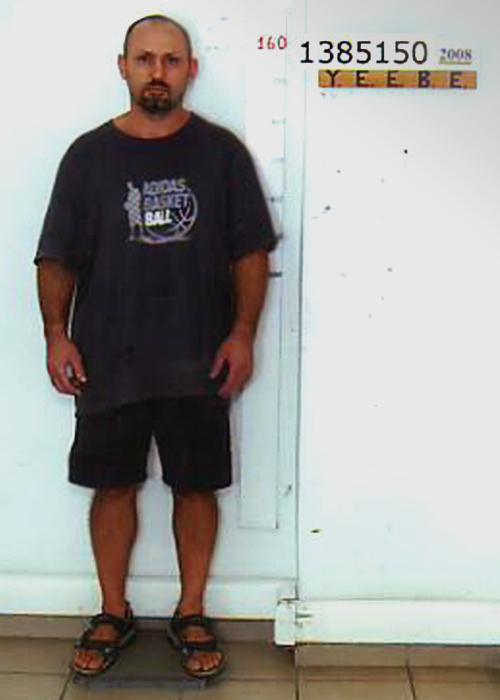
99,645
192,632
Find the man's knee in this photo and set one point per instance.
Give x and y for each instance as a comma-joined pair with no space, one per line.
116,493
187,493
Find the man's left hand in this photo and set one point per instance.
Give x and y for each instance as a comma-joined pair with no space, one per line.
237,351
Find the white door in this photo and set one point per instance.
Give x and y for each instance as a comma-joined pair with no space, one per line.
400,375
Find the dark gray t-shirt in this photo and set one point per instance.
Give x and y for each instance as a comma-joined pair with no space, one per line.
151,227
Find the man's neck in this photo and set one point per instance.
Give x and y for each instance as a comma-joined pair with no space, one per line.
144,126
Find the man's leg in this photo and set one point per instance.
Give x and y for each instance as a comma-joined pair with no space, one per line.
195,522
113,529
192,434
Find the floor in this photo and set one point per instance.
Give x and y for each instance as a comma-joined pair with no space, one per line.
37,669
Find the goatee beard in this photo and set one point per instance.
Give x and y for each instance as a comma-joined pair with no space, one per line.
156,105
157,102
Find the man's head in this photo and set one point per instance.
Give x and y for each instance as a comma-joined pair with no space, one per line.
157,63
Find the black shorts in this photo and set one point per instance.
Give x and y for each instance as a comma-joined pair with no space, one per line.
110,449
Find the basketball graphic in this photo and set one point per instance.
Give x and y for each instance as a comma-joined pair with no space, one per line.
160,211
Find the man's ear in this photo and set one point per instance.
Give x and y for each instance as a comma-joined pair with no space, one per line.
121,66
194,68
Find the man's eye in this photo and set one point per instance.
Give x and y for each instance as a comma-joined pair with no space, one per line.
142,59
173,59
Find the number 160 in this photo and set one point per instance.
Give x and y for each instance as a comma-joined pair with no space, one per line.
271,43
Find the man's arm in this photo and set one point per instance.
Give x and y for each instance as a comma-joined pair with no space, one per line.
250,276
56,284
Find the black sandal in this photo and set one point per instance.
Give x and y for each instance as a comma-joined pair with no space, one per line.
109,650
177,625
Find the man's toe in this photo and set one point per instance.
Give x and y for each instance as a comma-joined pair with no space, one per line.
86,660
204,662
196,663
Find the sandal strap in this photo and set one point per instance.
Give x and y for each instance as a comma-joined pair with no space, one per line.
122,626
179,623
102,645
207,645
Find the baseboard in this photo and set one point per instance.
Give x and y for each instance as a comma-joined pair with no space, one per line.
151,596
396,622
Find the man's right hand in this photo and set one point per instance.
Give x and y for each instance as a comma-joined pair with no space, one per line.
64,365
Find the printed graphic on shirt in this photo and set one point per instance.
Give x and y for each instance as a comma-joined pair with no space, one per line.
160,211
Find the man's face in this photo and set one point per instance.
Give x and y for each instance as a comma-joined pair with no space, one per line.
157,67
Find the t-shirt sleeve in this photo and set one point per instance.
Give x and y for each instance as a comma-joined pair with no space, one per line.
61,237
250,225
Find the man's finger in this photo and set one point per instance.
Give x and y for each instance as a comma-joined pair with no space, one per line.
59,386
218,364
233,383
77,368
63,382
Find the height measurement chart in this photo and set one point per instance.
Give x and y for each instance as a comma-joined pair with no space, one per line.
257,418
265,110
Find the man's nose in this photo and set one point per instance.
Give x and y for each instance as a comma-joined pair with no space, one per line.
158,69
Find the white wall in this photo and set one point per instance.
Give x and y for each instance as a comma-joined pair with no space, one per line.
400,449
59,80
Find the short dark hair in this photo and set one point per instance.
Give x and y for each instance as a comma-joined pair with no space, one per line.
158,18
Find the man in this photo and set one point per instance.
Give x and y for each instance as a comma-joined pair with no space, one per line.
158,221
